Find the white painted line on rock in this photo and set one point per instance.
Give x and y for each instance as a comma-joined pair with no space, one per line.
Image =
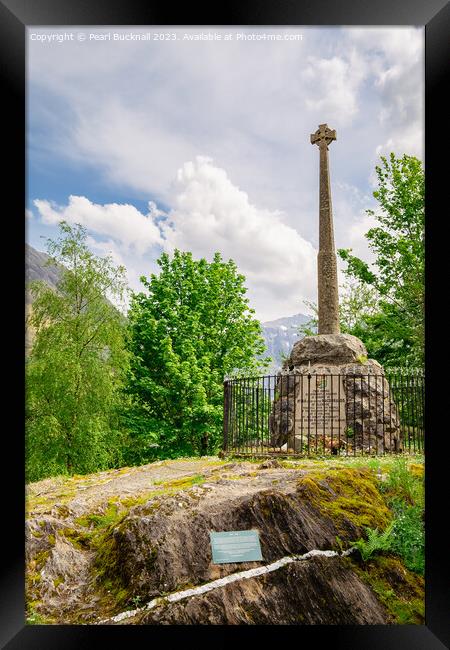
221,582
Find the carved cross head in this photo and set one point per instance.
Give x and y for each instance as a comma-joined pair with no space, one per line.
323,135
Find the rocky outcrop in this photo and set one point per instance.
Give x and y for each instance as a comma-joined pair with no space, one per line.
298,593
102,563
143,553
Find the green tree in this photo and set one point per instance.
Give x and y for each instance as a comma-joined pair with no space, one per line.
394,334
357,302
77,363
310,327
193,328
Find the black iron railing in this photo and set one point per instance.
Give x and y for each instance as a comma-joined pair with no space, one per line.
340,414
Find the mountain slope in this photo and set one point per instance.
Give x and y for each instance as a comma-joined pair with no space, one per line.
37,269
280,335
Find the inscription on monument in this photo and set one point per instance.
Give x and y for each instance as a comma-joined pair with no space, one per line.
320,405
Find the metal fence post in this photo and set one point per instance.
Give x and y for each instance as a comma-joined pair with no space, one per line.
225,414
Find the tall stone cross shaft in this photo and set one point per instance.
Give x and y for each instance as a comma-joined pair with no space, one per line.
326,259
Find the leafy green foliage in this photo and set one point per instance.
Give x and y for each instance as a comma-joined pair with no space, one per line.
310,327
408,537
405,536
402,485
191,330
76,367
384,305
110,516
394,332
375,542
356,303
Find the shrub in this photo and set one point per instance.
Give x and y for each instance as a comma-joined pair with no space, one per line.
375,542
405,536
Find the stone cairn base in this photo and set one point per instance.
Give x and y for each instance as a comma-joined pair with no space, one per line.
370,421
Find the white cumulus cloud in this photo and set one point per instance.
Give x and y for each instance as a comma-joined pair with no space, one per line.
212,214
333,85
395,57
121,222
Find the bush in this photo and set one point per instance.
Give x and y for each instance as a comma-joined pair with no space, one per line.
408,537
376,541
402,485
405,536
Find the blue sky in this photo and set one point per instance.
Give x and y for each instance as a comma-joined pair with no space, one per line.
204,145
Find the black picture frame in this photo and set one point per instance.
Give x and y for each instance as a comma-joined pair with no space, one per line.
15,16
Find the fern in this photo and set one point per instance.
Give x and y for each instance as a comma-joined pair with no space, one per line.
375,542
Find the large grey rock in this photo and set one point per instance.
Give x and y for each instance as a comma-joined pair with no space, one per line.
289,596
332,349
370,422
87,569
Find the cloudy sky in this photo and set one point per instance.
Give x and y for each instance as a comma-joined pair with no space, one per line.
203,145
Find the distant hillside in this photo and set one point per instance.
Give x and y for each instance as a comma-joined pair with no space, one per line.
36,269
280,335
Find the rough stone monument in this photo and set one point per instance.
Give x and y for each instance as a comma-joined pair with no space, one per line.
328,391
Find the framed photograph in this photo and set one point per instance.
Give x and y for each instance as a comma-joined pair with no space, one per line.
227,260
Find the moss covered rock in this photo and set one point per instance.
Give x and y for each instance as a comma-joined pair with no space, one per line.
158,550
85,566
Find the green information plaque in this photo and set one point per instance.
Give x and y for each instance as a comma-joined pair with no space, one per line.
235,546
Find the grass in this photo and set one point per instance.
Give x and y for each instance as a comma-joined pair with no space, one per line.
385,463
34,618
408,537
98,520
183,482
404,484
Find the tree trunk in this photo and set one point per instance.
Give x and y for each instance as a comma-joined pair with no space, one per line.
204,444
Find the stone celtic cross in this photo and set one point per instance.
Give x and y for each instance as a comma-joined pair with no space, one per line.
328,298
